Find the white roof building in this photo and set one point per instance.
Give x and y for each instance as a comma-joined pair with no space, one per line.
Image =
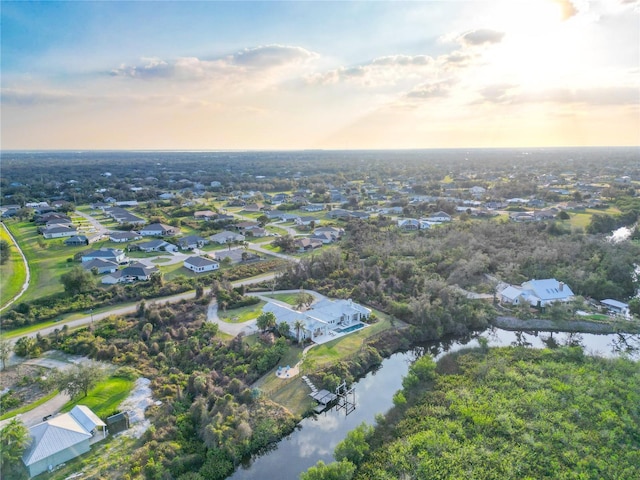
60,439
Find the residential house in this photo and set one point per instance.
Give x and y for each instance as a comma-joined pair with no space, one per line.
409,224
439,217
61,438
616,307
201,264
101,266
257,232
76,240
157,246
121,237
306,221
59,231
322,318
335,232
307,243
191,242
205,215
538,293
313,207
225,237
159,230
135,271
111,254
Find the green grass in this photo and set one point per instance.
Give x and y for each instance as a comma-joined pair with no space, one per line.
105,398
47,259
13,273
27,408
348,345
290,298
242,314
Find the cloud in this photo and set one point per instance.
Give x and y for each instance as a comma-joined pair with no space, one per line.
258,59
481,36
594,96
271,56
431,90
381,71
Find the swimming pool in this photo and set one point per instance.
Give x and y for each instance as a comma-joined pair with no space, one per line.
352,328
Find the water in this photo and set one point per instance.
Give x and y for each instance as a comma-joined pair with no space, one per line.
316,437
351,328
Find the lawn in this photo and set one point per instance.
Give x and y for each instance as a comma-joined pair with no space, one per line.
242,314
47,259
12,273
348,345
290,298
105,398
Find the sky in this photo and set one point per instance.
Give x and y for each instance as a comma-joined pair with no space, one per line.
180,75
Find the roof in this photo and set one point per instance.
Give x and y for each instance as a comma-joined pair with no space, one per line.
153,244
85,417
103,253
157,227
98,263
120,235
615,303
511,292
200,261
59,433
548,289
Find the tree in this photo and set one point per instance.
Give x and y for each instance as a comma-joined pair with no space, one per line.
5,351
79,379
303,300
285,242
343,470
27,347
355,445
283,329
266,321
5,251
299,326
634,306
14,439
77,281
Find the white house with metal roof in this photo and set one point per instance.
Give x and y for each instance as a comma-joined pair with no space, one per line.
324,317
538,293
61,439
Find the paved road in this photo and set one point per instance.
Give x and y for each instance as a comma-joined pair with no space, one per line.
99,228
25,285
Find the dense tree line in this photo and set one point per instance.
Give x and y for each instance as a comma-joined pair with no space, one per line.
506,413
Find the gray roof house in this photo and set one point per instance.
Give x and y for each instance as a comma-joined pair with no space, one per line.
120,237
227,237
110,254
59,231
192,241
61,439
159,230
102,266
135,271
201,264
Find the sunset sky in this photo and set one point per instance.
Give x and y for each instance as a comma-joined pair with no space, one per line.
336,75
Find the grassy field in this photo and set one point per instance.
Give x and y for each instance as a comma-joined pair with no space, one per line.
290,298
342,347
13,273
242,314
105,398
47,259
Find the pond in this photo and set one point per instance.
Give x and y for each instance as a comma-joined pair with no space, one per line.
316,437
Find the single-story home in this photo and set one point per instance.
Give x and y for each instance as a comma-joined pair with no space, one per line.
322,318
158,230
157,246
136,271
256,232
614,306
225,237
306,221
192,241
61,438
121,237
201,264
111,254
204,215
102,266
307,243
439,217
59,231
76,240
538,293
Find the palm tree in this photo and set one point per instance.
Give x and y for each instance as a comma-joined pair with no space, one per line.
298,325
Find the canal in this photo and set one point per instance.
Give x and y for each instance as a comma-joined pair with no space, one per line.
316,437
